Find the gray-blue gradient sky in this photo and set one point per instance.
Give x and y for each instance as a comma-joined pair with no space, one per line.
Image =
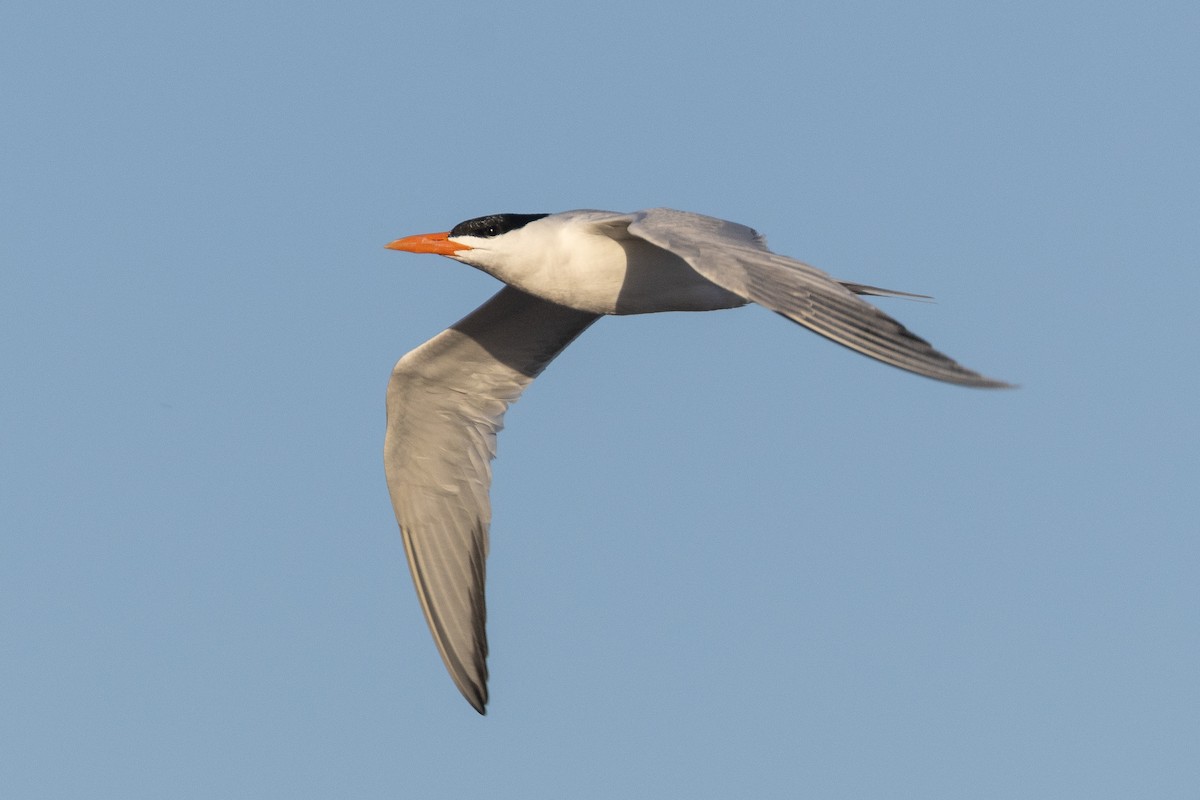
729,559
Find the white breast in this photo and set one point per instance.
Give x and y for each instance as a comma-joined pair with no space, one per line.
603,270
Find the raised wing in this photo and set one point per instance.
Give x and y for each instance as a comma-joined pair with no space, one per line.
736,258
445,403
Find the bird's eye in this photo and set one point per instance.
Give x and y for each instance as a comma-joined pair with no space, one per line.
494,225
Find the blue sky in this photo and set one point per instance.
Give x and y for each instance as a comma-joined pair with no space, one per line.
729,559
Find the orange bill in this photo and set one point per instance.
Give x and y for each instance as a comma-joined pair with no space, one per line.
438,243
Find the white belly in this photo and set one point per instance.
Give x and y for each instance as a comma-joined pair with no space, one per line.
617,276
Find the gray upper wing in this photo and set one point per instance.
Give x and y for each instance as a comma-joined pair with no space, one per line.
736,258
445,403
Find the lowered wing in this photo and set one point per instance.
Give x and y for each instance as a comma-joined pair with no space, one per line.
445,403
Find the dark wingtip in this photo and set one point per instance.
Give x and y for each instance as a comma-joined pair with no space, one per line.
478,699
990,383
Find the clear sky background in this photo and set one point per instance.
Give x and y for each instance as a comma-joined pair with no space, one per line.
730,559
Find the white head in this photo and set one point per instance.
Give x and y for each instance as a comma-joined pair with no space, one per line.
487,243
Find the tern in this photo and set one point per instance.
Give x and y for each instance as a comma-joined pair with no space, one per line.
446,399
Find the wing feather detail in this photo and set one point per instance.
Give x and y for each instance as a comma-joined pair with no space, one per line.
445,404
736,258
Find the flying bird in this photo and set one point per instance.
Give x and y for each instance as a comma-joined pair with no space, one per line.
446,399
